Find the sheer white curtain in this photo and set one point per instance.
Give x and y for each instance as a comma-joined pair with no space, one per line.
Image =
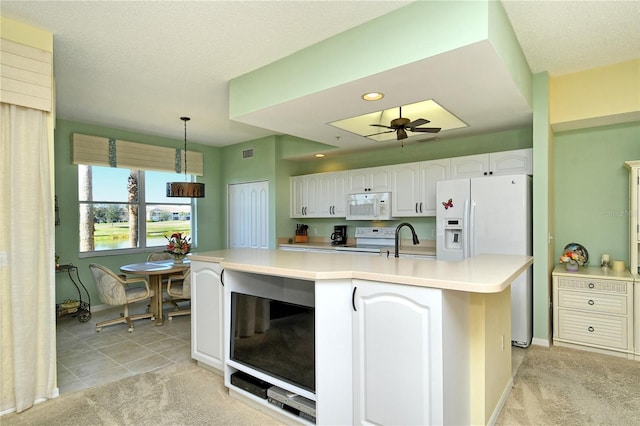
27,274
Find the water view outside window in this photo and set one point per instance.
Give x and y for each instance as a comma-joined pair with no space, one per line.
127,209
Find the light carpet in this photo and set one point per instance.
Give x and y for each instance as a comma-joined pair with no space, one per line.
553,386
180,394
562,386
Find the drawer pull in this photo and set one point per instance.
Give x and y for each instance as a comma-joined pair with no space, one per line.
592,285
591,329
591,302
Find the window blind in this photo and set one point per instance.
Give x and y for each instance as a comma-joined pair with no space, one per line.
100,151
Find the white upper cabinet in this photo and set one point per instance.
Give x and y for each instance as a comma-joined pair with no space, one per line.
511,162
469,166
332,194
373,179
414,187
318,195
495,163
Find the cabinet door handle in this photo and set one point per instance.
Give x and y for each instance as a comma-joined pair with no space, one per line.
592,285
420,206
353,299
591,302
222,278
416,207
591,329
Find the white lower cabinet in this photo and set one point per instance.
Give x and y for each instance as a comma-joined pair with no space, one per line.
207,298
402,373
593,309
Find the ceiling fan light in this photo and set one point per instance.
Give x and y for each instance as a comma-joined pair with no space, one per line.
402,134
372,96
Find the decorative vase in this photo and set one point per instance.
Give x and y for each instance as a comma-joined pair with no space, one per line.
571,266
178,259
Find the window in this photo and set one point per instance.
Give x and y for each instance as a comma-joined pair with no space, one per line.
110,202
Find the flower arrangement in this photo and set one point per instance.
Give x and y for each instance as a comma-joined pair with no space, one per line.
573,257
178,245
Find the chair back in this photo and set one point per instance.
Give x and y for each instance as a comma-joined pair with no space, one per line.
110,288
159,255
186,284
180,285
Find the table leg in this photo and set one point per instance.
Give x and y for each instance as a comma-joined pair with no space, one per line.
156,300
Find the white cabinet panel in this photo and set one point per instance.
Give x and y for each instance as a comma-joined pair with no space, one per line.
414,187
511,162
373,179
406,189
398,362
318,195
469,166
492,164
207,314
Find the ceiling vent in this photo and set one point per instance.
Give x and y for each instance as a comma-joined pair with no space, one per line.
247,153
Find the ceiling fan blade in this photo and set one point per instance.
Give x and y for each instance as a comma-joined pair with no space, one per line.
416,123
380,125
374,134
426,129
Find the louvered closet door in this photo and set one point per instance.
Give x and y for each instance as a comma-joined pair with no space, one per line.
248,215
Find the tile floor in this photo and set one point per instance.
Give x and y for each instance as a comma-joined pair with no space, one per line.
87,358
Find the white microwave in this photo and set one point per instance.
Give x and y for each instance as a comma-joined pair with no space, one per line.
369,206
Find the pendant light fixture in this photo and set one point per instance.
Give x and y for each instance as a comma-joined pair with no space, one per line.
185,189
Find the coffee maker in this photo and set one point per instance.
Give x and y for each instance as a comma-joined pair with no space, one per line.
339,236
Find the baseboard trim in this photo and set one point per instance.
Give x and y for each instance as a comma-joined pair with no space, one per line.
541,342
503,399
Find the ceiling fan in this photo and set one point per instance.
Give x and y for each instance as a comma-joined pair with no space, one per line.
401,125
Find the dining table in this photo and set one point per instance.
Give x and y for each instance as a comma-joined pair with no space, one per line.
156,271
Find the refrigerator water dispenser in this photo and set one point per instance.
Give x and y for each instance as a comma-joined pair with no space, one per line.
453,234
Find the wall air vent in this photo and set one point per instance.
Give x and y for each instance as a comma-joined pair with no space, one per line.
247,153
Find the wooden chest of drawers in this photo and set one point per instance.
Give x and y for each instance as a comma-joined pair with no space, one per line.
593,310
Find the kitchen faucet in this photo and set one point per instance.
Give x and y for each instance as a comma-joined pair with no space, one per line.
413,233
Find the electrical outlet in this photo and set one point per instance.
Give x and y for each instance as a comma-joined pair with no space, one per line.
433,232
315,232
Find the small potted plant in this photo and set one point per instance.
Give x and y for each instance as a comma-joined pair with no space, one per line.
178,246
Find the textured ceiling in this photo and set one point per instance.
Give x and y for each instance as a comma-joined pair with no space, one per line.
141,65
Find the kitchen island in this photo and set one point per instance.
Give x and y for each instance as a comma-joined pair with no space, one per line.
396,340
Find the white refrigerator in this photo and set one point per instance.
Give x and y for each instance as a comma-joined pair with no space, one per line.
490,215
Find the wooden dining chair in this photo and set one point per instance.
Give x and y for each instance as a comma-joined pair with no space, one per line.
116,291
179,289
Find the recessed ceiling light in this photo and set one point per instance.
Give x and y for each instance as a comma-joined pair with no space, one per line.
372,96
319,155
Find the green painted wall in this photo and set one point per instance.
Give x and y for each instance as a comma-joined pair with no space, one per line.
207,236
261,167
542,209
592,189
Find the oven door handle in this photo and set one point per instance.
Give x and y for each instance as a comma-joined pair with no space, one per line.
222,278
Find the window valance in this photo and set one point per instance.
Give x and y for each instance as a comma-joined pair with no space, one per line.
100,151
27,76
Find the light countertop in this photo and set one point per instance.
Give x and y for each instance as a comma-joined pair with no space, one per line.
480,274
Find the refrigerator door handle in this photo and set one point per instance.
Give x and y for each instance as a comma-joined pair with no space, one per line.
465,230
472,230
